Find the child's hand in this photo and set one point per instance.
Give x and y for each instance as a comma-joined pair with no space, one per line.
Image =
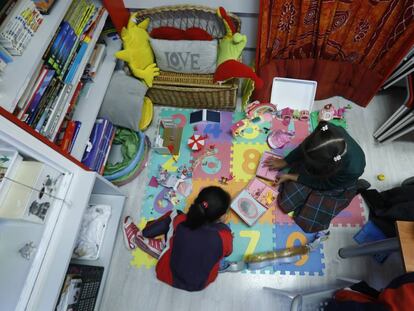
275,164
286,177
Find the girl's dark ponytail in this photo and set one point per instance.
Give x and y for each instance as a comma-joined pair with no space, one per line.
196,216
324,149
210,204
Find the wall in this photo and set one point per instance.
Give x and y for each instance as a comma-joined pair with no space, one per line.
247,10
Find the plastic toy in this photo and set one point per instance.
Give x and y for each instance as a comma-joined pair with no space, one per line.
304,115
224,180
282,256
171,137
27,250
256,108
238,127
196,142
137,51
230,48
286,114
279,138
172,197
381,177
328,112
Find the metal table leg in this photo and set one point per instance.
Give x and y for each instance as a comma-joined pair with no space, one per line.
387,245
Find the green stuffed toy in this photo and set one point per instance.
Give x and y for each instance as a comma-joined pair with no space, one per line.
229,51
137,50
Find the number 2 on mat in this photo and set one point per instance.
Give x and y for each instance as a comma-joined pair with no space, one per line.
254,237
290,243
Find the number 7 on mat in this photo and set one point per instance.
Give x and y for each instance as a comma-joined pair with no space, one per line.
254,237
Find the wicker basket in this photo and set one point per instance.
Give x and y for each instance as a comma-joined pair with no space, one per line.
190,90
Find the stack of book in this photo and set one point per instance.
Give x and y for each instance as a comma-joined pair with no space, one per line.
49,100
19,20
5,58
99,145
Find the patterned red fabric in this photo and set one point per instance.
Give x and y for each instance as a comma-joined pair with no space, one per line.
348,46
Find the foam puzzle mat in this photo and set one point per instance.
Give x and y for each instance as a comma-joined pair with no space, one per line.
238,156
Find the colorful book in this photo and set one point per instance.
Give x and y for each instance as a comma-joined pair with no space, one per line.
23,114
38,96
4,55
54,50
49,107
263,171
74,67
43,103
253,201
108,151
92,149
75,135
67,138
104,145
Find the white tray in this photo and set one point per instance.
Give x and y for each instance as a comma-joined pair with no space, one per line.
293,93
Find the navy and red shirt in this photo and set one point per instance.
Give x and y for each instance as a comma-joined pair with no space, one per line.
191,258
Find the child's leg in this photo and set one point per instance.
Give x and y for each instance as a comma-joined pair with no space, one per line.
292,196
157,227
321,207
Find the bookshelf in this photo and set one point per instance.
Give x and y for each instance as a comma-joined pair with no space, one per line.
36,284
17,74
88,106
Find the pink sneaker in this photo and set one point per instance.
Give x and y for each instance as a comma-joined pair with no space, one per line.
152,247
130,231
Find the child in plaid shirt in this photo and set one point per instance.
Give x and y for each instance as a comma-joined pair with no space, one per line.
322,179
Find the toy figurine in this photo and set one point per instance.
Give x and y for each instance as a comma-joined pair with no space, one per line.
340,113
327,113
286,115
27,250
296,114
304,115
224,180
171,196
238,128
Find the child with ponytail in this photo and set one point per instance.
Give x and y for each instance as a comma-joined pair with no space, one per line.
323,176
194,242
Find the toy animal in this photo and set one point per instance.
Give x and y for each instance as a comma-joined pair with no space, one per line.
137,50
229,51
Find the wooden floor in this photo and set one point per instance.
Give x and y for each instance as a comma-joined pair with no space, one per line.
128,288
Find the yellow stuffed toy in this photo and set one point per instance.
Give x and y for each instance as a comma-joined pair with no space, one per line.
137,50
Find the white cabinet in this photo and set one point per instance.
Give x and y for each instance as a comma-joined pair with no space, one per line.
35,284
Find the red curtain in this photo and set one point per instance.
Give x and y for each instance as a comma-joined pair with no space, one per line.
348,46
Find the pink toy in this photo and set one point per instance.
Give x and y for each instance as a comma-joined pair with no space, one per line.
340,113
304,115
327,113
286,115
257,108
237,128
279,138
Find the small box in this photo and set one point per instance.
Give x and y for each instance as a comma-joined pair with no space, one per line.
30,196
293,93
253,201
9,162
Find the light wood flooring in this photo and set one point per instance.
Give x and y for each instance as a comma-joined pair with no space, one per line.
128,288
